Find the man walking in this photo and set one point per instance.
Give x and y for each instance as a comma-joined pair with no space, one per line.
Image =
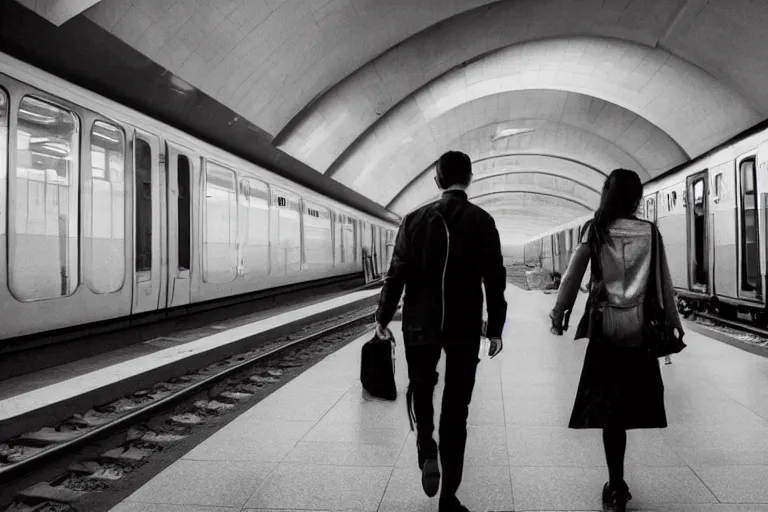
444,253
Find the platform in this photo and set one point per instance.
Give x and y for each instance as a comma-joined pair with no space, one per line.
316,444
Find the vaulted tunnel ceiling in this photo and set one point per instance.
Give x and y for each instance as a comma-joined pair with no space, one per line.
546,96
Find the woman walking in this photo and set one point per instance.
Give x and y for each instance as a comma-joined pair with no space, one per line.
620,386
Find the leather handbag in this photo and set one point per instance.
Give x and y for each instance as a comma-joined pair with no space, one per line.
659,337
377,368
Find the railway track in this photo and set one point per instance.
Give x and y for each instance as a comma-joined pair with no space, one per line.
516,275
152,420
740,326
737,334
37,353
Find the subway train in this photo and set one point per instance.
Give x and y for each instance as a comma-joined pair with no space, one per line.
711,213
106,213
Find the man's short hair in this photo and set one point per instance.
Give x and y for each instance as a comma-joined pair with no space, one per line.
454,168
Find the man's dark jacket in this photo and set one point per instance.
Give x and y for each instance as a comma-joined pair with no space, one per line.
444,253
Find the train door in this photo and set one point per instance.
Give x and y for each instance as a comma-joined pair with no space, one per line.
698,236
750,278
181,171
149,220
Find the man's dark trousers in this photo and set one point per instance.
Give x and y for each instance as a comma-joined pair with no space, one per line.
461,360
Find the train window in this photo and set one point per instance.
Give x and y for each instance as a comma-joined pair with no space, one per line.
104,231
750,261
143,193
3,156
281,201
220,231
183,171
44,246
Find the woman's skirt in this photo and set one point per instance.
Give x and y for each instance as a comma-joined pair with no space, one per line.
619,387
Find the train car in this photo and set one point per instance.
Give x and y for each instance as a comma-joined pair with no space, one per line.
711,213
106,213
552,250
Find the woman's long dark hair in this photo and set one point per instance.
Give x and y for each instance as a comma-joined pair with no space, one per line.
622,192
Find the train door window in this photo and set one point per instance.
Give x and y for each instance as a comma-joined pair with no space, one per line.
143,192
338,241
220,231
256,256
719,189
350,240
750,255
3,157
698,220
104,231
317,236
184,212
243,218
44,246
650,209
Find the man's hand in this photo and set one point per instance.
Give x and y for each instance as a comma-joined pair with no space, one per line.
382,332
495,347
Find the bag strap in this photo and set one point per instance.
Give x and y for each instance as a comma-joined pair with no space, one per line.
653,290
596,275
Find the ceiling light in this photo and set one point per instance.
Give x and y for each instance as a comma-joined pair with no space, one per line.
509,132
180,86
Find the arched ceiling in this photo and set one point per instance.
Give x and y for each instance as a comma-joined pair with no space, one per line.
585,126
647,81
423,186
370,93
532,182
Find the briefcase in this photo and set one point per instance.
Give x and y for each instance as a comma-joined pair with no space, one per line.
377,368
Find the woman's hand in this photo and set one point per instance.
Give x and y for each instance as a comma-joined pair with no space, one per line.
495,347
559,323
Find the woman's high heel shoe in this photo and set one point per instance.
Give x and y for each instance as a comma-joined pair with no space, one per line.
615,500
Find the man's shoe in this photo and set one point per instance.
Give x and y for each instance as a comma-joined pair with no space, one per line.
430,470
451,504
616,499
430,477
426,450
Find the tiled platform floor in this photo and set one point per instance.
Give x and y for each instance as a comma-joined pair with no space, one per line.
316,444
